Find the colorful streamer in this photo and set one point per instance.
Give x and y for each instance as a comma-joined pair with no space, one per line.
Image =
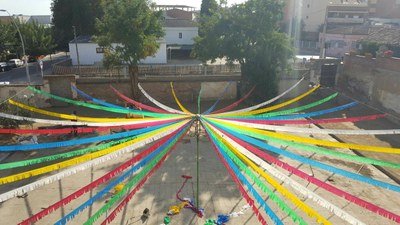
311,162
40,215
298,187
322,184
67,172
264,103
29,147
157,103
104,108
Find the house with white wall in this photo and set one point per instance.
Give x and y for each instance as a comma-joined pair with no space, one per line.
180,29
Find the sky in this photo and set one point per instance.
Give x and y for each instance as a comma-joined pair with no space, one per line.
42,7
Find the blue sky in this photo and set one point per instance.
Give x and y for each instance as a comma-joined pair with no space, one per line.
42,7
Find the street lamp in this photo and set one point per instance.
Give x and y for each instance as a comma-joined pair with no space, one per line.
23,46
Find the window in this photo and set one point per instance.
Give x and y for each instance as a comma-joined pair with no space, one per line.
99,50
180,35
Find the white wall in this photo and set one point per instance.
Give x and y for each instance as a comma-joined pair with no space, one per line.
87,53
188,33
159,57
89,56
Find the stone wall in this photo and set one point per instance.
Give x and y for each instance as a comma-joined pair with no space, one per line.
374,81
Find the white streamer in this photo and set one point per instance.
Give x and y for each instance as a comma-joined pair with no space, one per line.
312,130
159,104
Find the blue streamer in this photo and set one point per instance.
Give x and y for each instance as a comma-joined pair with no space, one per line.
218,100
222,219
128,173
311,162
238,173
81,141
98,101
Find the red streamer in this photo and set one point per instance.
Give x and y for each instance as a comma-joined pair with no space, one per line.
38,216
249,200
316,121
138,104
233,105
83,129
367,205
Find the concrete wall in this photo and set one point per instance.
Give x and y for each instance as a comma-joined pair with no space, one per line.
375,81
23,95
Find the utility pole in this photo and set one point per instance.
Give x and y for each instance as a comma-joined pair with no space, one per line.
322,53
76,48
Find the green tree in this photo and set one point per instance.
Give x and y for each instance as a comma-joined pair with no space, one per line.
38,39
129,31
248,33
7,39
208,7
79,13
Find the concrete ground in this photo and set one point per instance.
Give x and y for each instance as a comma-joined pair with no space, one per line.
218,192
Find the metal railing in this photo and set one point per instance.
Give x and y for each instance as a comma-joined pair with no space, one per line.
97,71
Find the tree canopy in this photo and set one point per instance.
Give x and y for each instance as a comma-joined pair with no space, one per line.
248,33
129,30
79,13
37,39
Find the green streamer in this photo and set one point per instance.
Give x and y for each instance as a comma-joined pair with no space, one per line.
282,205
131,183
104,108
64,155
316,149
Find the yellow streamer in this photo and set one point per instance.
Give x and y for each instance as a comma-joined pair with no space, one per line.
77,118
290,196
81,159
178,102
313,141
267,109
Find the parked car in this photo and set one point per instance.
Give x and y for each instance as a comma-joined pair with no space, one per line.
15,63
4,67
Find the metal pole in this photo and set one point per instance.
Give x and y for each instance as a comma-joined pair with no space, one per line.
197,149
77,53
28,77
